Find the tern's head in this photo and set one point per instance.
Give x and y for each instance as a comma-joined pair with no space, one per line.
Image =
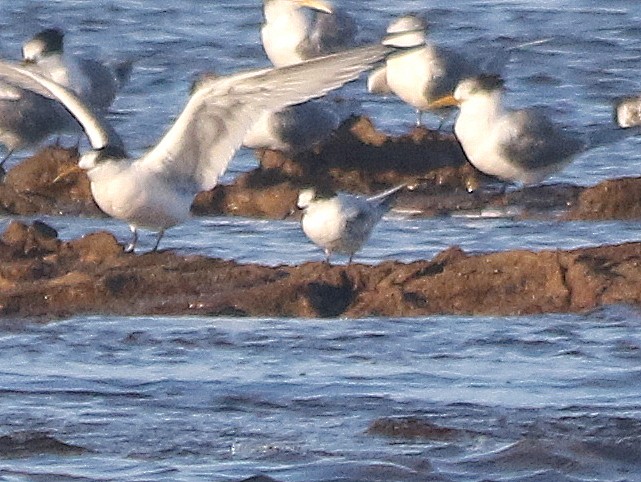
305,198
406,31
319,5
45,43
483,85
95,157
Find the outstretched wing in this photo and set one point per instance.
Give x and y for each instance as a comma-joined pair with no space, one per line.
205,136
98,131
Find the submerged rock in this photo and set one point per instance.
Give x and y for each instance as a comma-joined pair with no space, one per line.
41,276
415,428
30,443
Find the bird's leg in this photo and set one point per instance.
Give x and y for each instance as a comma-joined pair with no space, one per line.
327,255
419,118
160,235
130,247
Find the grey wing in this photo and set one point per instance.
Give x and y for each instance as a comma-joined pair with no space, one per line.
449,68
331,32
102,82
360,221
377,81
301,126
386,199
27,118
205,136
536,142
99,132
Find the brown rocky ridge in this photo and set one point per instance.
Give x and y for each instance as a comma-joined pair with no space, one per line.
44,277
357,158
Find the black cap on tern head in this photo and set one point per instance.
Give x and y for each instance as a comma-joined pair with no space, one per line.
51,38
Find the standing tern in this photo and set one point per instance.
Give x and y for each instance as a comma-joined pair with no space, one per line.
420,75
294,31
298,30
156,190
27,119
423,74
94,82
342,224
521,146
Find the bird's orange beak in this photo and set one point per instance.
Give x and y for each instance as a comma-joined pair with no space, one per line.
72,170
319,5
445,101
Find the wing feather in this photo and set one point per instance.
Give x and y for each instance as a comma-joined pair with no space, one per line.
536,142
98,131
219,113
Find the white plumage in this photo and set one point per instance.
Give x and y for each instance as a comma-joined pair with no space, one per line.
156,190
514,145
342,223
298,30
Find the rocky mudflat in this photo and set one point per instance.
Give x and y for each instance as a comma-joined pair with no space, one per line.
44,277
358,158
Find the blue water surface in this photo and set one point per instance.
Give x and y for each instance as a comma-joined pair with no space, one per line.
539,398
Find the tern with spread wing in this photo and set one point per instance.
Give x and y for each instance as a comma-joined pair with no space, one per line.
94,82
156,190
342,223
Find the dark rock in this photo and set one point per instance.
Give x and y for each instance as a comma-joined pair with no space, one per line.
259,478
357,158
414,427
27,444
40,185
96,247
611,199
94,275
27,240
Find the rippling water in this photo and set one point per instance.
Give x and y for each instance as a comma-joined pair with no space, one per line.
520,398
541,398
